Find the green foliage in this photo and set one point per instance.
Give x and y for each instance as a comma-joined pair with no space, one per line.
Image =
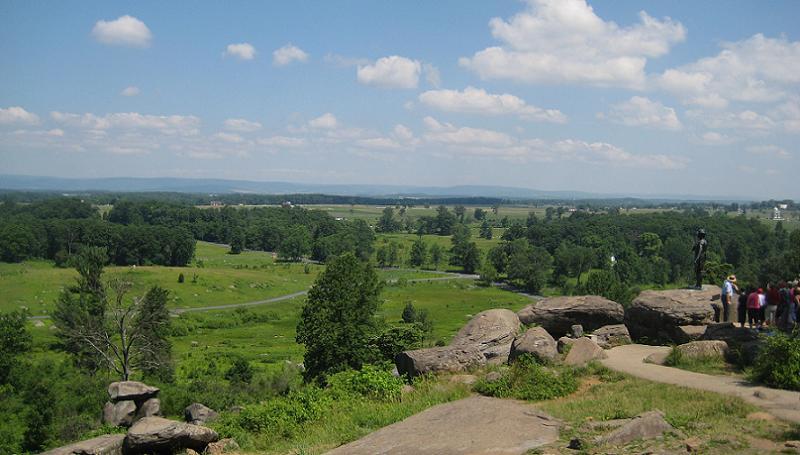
708,365
528,266
529,380
370,382
437,255
337,320
606,283
488,274
296,243
387,223
409,313
778,362
240,371
395,340
281,416
486,230
181,278
419,253
15,340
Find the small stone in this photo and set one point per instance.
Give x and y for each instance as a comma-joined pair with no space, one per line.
576,331
199,414
693,444
564,343
191,452
584,351
657,358
576,444
493,376
221,446
763,394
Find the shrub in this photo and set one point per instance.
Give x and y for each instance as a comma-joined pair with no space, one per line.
240,371
371,382
529,380
409,313
181,278
778,362
398,339
281,415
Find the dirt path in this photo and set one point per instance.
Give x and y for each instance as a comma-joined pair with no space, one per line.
630,359
475,425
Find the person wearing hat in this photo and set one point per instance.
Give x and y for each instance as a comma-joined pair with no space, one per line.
728,289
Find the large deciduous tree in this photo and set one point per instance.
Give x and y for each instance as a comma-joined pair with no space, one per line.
337,321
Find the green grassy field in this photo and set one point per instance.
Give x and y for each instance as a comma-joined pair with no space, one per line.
214,278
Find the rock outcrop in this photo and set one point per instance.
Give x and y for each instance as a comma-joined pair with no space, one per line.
558,314
491,332
644,426
107,444
131,390
129,402
474,425
610,336
704,349
583,351
657,316
536,342
199,414
119,414
159,435
451,359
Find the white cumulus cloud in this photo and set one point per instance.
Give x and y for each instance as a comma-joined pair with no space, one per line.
556,41
391,72
757,69
769,150
288,54
641,111
16,115
324,121
130,91
241,51
477,101
241,125
124,31
165,124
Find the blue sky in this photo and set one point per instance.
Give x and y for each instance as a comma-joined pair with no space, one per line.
644,97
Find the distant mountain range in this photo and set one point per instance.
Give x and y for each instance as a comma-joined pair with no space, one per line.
222,186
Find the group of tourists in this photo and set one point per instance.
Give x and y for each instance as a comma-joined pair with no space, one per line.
773,306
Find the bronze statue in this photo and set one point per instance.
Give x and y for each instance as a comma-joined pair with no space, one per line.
700,247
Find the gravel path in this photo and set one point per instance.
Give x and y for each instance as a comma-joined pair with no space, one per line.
630,359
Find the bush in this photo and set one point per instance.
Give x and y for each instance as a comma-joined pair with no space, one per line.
398,339
371,382
181,278
529,380
279,416
240,371
409,313
778,362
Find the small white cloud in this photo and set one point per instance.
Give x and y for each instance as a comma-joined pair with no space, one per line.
241,51
56,132
445,133
715,138
282,141
324,121
17,115
391,72
288,54
641,111
130,91
124,31
229,137
769,150
478,101
241,125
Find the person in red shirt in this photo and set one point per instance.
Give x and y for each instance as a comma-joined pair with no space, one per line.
753,306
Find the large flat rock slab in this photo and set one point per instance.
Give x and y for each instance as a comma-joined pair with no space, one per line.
473,426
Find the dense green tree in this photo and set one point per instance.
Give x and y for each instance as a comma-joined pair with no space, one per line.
529,266
460,211
237,241
387,222
337,320
437,255
419,253
486,230
488,274
445,221
649,244
479,214
15,340
295,244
